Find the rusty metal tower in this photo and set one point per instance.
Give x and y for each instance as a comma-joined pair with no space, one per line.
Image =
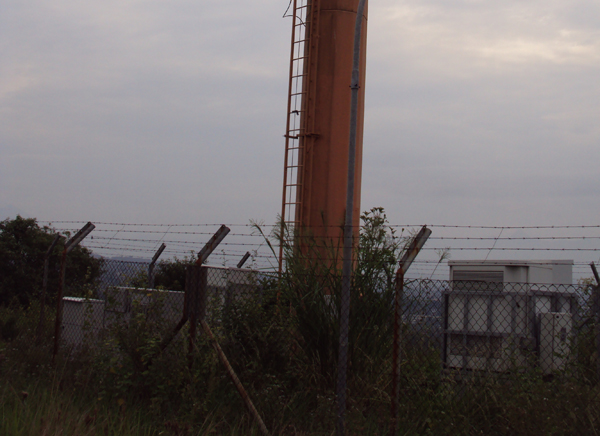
318,119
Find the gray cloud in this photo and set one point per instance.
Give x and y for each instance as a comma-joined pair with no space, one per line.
147,111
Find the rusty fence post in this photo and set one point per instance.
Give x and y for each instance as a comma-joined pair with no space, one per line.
397,349
190,292
69,245
407,259
212,243
243,260
195,285
596,316
45,287
234,378
152,263
197,300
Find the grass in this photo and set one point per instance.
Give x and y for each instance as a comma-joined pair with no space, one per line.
46,410
110,388
36,408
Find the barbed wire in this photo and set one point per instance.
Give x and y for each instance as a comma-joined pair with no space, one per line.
170,233
150,225
111,239
594,226
438,238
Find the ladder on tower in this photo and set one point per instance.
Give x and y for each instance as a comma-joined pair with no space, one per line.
304,42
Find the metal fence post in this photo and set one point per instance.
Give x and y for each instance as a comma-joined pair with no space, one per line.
196,284
408,257
397,349
152,263
190,293
69,245
596,315
45,287
243,260
348,219
212,243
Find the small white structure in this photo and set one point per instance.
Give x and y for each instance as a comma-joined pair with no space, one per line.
498,314
84,319
81,317
552,272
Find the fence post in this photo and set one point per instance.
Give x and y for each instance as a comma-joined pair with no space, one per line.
152,263
408,257
195,287
596,315
69,245
243,260
212,243
397,348
45,287
234,378
343,346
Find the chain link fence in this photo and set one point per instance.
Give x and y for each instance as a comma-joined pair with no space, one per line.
474,357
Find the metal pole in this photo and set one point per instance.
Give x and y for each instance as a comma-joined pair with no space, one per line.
595,272
59,305
596,315
45,287
190,296
234,378
79,236
243,260
397,348
596,310
195,286
212,243
347,253
152,263
69,246
409,256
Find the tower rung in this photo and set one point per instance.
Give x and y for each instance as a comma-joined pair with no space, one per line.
305,13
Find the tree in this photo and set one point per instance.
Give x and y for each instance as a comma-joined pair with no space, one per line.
171,274
23,245
168,274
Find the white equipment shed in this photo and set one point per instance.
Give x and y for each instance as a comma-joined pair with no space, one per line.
503,314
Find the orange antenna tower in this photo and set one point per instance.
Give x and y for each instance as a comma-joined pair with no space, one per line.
318,120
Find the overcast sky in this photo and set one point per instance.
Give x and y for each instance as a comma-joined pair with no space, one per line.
477,112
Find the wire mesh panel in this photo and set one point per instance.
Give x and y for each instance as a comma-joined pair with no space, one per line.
475,356
501,326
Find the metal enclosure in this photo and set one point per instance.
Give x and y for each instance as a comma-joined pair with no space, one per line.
555,329
505,314
82,317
